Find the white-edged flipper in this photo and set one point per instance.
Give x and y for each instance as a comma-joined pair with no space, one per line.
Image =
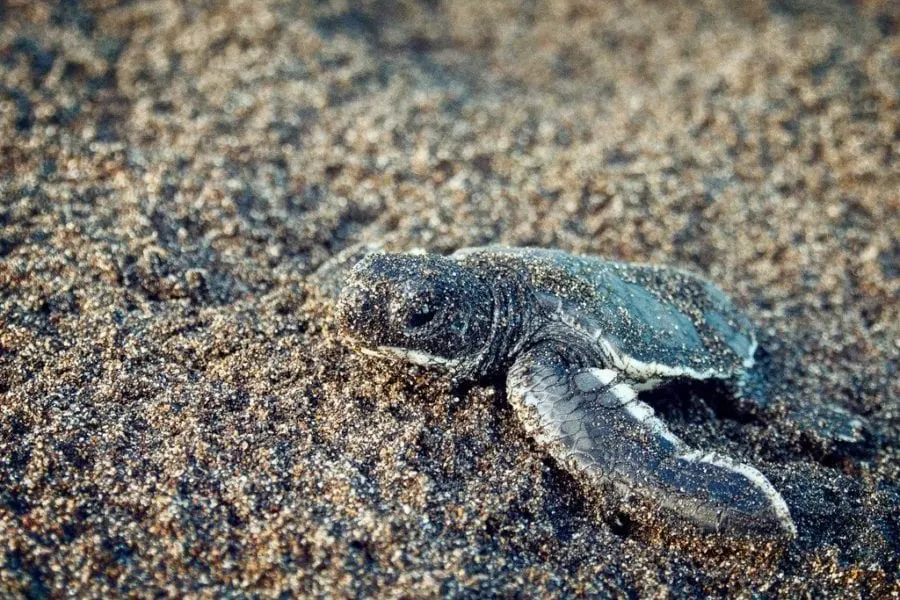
591,419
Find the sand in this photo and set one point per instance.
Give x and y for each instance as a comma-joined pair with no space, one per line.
177,412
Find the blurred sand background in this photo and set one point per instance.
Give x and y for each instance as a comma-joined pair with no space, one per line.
177,413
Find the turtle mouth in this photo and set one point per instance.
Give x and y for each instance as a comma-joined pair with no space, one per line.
355,344
414,356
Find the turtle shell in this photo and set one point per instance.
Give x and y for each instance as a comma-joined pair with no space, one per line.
651,322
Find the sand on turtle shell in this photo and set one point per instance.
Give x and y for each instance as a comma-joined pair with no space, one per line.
178,414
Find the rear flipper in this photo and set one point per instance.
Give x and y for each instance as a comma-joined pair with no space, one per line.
591,420
828,425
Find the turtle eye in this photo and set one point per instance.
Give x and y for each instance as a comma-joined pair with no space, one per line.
421,315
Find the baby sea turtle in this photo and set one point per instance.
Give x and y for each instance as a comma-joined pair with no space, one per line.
576,339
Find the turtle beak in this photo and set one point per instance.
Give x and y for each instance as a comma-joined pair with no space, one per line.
357,311
350,304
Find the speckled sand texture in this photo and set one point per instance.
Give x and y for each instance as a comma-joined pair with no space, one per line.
177,411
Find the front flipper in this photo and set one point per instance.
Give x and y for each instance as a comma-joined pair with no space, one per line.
591,420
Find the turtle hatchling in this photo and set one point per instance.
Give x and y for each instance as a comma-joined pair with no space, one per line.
576,339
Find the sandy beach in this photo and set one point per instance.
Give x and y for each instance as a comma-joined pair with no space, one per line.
178,412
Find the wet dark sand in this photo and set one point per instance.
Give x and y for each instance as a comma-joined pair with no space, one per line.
177,412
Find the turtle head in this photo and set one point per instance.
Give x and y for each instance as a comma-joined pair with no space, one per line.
427,308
